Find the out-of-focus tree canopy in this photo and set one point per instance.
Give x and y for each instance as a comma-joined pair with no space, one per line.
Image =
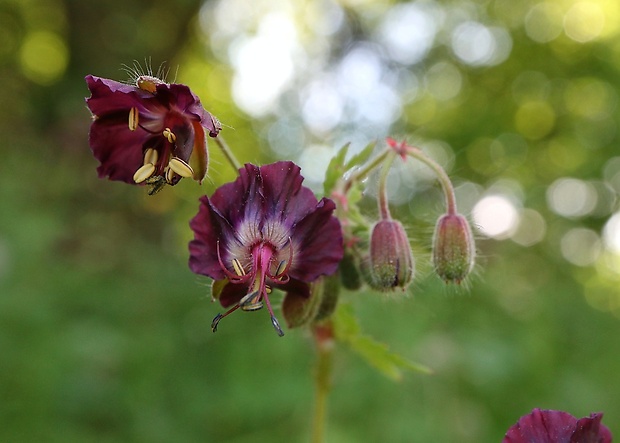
105,333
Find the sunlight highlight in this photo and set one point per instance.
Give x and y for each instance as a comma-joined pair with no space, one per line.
496,217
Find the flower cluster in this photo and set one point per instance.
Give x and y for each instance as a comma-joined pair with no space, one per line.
266,230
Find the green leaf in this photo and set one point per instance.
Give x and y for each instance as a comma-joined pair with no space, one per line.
375,353
361,157
335,170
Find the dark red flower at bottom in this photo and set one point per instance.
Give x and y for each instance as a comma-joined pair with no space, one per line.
548,426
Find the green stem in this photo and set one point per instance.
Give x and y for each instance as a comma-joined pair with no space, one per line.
361,173
323,336
446,184
228,153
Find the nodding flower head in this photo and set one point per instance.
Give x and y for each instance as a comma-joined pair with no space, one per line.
264,231
148,132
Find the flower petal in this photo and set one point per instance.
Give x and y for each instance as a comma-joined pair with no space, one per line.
590,430
318,243
549,426
210,228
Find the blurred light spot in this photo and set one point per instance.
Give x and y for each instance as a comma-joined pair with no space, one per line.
611,173
611,233
313,162
264,64
286,137
44,57
508,150
543,22
322,106
570,197
584,21
467,195
564,153
535,119
407,32
581,246
532,228
590,98
444,81
495,216
9,32
476,44
360,81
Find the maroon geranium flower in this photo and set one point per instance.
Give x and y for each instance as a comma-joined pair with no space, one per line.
262,231
147,133
546,426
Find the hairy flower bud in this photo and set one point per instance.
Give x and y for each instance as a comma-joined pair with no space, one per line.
349,272
300,309
453,248
390,263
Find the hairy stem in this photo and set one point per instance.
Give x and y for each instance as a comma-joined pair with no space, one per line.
324,339
446,184
228,153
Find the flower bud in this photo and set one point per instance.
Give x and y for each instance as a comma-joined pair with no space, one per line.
349,272
453,248
390,263
299,309
331,292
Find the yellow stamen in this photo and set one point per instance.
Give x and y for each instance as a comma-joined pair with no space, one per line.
237,267
144,172
180,167
170,135
133,118
169,174
151,156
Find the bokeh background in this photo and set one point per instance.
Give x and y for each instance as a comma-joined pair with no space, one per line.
105,333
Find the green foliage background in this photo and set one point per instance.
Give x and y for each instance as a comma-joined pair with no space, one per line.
104,331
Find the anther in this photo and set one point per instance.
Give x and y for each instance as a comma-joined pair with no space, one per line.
276,325
216,321
238,268
144,172
280,267
169,135
150,156
251,302
169,175
180,167
133,118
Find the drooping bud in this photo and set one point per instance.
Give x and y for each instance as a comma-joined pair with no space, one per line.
299,310
390,262
349,272
331,292
454,250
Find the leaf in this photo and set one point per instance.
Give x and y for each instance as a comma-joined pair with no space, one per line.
335,170
375,353
361,157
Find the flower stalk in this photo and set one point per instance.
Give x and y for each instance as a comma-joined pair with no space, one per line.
324,340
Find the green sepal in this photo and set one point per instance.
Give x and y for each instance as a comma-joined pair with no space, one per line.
217,286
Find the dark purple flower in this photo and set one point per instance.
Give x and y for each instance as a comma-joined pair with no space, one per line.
262,231
547,426
147,133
